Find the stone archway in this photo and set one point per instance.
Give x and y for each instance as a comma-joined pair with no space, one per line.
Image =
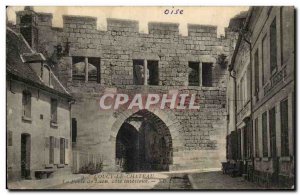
154,143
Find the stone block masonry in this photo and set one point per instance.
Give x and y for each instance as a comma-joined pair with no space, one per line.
198,137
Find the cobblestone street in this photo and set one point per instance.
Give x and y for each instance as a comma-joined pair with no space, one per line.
214,180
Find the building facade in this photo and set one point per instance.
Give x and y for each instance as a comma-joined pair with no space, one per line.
38,111
92,62
264,116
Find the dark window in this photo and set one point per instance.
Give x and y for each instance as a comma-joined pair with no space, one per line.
53,110
239,144
153,72
51,150
10,138
265,134
245,142
284,128
256,74
249,139
94,69
194,74
207,74
233,144
273,46
138,72
74,130
256,138
26,102
272,129
265,58
62,151
78,68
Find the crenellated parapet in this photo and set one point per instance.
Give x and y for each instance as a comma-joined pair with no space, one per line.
79,22
122,25
202,30
163,28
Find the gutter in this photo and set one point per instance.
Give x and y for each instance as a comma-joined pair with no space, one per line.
40,86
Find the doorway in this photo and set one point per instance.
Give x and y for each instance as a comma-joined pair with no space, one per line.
143,143
25,156
62,151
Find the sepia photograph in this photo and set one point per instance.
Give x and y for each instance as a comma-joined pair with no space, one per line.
150,98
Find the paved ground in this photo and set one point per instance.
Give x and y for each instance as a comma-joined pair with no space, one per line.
216,180
193,179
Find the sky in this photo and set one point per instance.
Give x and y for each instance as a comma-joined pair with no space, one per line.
218,16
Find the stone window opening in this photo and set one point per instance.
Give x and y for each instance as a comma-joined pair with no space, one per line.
148,68
26,103
194,74
207,74
54,111
153,77
86,69
138,72
93,69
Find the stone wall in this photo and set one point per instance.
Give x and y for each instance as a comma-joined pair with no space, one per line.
198,136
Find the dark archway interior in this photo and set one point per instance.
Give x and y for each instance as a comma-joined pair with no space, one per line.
143,144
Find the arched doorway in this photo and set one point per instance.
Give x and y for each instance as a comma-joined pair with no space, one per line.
143,143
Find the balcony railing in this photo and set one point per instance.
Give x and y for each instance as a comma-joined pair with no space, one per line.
275,80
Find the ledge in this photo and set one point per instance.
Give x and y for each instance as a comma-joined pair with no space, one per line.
27,119
60,166
49,166
257,159
285,159
53,124
266,159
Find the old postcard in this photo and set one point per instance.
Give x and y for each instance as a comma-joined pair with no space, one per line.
150,98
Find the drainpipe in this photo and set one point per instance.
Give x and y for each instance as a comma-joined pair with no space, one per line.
235,101
70,146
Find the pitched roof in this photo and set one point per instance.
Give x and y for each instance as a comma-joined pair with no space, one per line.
32,57
18,52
